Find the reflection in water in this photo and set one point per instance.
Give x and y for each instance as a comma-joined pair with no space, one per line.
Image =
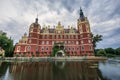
60,64
31,71
84,70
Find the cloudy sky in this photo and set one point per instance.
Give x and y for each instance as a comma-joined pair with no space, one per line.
104,16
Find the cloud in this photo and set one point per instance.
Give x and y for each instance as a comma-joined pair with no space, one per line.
103,15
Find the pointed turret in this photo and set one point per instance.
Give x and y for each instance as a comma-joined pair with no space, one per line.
82,17
36,20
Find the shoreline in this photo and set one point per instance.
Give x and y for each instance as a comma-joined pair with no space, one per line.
32,59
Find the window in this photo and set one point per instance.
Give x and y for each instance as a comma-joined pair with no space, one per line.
81,36
68,36
81,42
72,36
42,42
52,36
29,48
65,42
89,41
56,36
68,42
43,36
61,36
47,42
52,42
31,30
88,35
80,29
29,40
30,35
82,48
47,48
37,48
73,48
65,36
76,36
90,47
47,36
42,48
18,48
72,42
69,48
77,42
25,48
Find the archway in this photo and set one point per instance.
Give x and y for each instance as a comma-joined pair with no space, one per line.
60,53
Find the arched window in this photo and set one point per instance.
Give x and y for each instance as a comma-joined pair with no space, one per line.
68,36
61,36
81,36
37,48
73,48
46,48
52,36
72,36
77,42
43,36
52,42
88,35
42,48
81,42
89,41
43,42
76,36
47,42
90,47
56,36
68,42
65,42
30,41
18,48
82,48
29,48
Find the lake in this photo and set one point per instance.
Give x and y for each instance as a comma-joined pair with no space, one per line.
61,70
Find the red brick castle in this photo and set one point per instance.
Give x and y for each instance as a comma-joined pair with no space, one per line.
40,41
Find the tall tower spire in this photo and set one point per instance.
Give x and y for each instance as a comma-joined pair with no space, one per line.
81,14
36,20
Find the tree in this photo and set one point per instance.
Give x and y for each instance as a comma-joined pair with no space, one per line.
97,38
101,52
6,43
110,50
117,51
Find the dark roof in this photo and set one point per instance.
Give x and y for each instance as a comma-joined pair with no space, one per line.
52,30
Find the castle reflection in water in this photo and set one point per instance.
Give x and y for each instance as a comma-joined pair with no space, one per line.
54,70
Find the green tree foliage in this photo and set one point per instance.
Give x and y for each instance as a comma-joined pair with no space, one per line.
55,49
101,52
96,38
110,50
6,43
117,51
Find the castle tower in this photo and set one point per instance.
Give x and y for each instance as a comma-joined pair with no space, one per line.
85,35
33,38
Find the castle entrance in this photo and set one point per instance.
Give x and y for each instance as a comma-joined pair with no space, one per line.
60,53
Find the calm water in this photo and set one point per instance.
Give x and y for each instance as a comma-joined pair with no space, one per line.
81,70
